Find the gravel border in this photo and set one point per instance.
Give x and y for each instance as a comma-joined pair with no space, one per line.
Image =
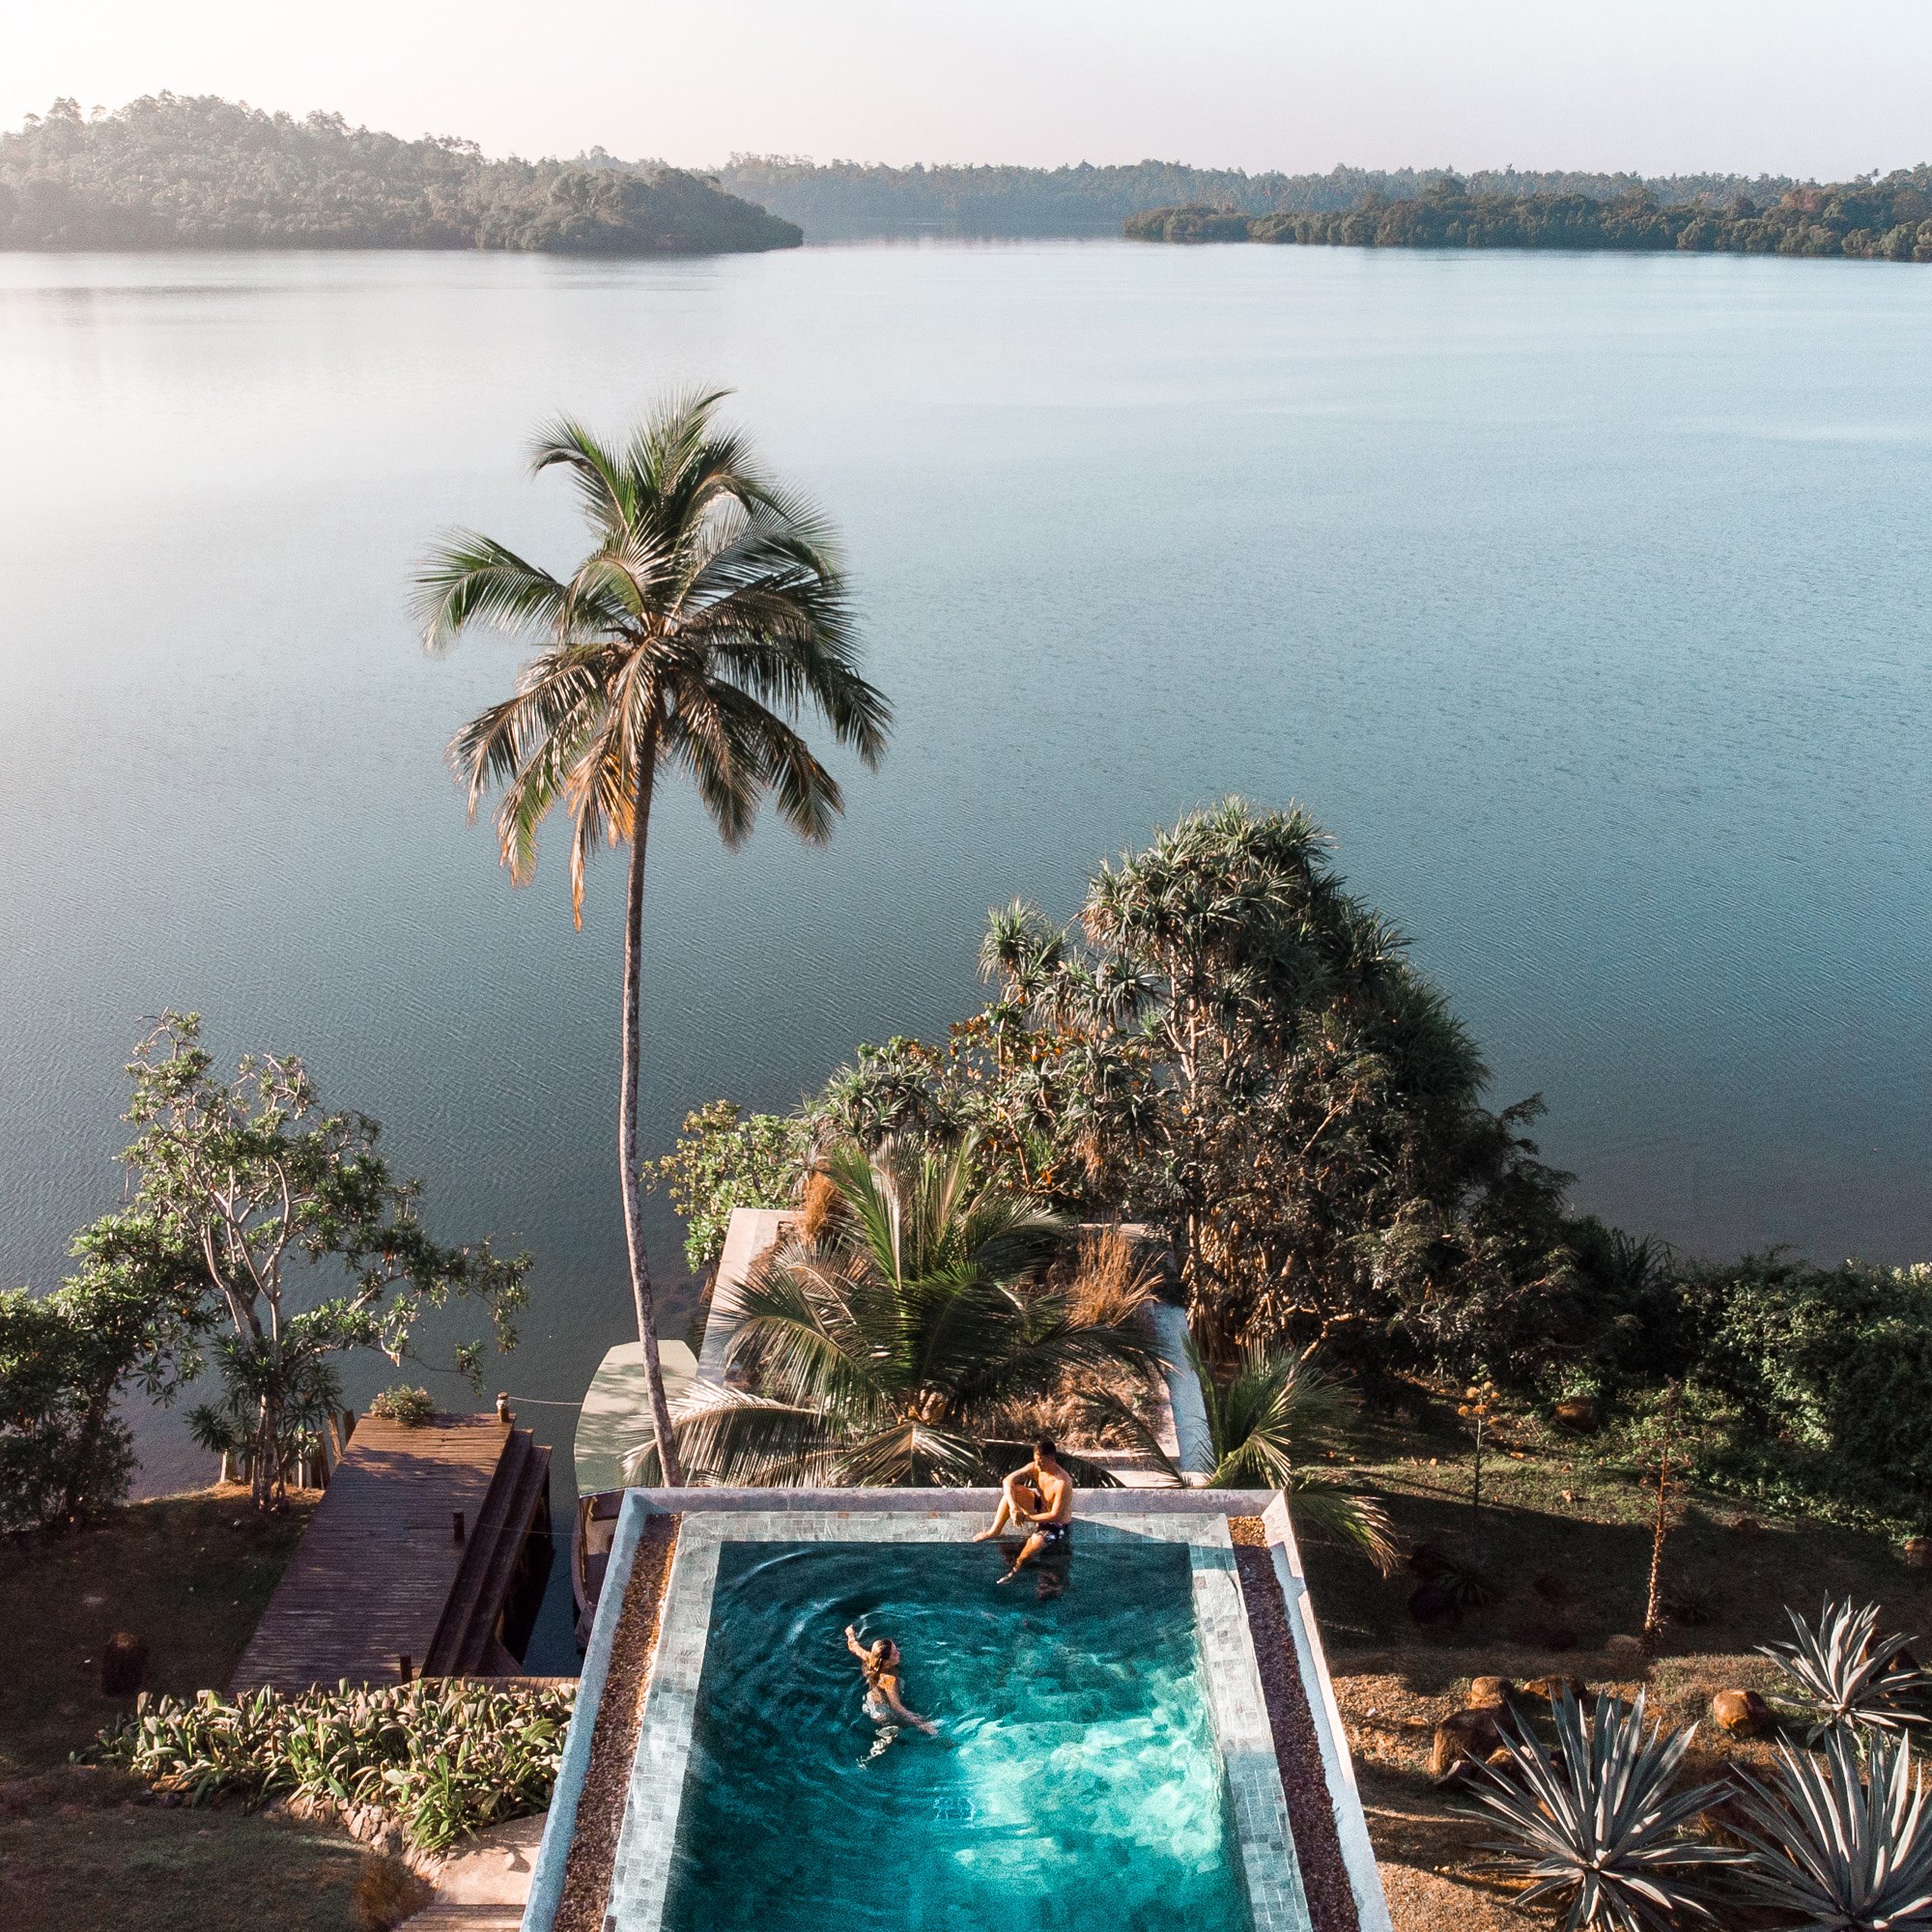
600,1806
1318,1847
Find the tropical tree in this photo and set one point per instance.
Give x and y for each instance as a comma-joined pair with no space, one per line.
890,1349
709,613
241,1188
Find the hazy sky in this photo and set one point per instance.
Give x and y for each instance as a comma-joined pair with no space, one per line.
1778,86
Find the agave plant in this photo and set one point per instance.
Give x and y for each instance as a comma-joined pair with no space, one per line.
1846,1677
1598,1825
1843,1850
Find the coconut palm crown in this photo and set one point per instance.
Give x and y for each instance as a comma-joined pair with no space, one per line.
710,615
887,1349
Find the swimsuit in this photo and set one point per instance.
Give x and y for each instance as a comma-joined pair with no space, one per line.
1053,1534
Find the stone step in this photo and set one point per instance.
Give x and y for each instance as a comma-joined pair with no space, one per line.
444,1917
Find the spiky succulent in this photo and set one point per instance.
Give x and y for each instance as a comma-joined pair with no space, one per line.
1596,1826
1847,1848
1846,1677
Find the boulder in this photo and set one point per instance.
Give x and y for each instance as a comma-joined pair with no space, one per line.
1463,1734
1551,1588
1576,1411
1744,1714
1625,1650
1549,1689
1918,1553
1490,1693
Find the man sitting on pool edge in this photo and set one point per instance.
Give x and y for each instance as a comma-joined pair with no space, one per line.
1039,1494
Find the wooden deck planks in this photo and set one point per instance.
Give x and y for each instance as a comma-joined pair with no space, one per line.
370,1580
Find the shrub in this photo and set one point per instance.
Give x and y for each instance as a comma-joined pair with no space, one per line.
1598,1824
1840,1845
411,1407
1846,1676
443,1758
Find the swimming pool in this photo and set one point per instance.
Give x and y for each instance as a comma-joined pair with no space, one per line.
1104,1759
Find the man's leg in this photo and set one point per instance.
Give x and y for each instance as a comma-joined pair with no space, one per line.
1007,1513
1029,1550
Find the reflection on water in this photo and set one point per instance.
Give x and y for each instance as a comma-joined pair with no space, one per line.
1582,597
1075,1787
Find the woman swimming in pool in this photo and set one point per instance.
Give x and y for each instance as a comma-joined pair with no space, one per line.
884,1705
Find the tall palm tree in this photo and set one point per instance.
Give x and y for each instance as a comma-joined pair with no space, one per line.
888,1350
710,612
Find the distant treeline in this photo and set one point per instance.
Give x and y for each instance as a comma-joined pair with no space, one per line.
1888,220
848,198
175,172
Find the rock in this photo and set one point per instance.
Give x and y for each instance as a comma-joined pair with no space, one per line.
1464,1734
122,1666
1576,1411
1744,1714
1748,1525
1918,1553
1549,1689
1550,1588
1490,1693
1625,1649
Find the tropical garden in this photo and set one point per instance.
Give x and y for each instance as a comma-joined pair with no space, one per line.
1220,1083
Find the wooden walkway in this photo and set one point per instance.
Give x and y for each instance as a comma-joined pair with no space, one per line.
380,1575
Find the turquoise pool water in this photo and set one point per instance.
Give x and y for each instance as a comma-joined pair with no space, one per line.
1076,1787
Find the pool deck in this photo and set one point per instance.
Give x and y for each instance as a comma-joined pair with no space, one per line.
1306,1868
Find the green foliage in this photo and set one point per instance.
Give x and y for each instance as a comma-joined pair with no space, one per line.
242,1187
1277,1422
1888,220
841,198
726,1159
412,1408
1847,1678
444,1756
178,172
1598,1827
885,1351
1844,1846
64,1455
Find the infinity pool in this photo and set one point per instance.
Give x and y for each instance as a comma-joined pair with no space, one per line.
1085,1778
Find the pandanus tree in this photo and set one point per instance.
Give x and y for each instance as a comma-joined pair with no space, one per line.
709,616
892,1346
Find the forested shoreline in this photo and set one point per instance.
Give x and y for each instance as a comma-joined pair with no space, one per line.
178,172
1888,221
852,198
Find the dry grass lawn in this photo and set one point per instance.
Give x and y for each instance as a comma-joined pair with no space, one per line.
80,1849
1565,1539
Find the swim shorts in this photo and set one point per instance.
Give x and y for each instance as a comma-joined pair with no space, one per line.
1054,1534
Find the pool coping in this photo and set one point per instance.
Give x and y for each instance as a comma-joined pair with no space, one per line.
817,1509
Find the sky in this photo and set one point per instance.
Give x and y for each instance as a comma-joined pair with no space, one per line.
1747,86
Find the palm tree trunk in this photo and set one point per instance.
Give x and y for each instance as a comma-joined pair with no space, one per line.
668,1470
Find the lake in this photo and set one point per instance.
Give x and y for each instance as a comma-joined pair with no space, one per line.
1584,598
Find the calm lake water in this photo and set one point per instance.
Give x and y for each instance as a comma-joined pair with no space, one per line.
1584,598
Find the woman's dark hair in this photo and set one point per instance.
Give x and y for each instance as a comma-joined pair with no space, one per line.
1047,1446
